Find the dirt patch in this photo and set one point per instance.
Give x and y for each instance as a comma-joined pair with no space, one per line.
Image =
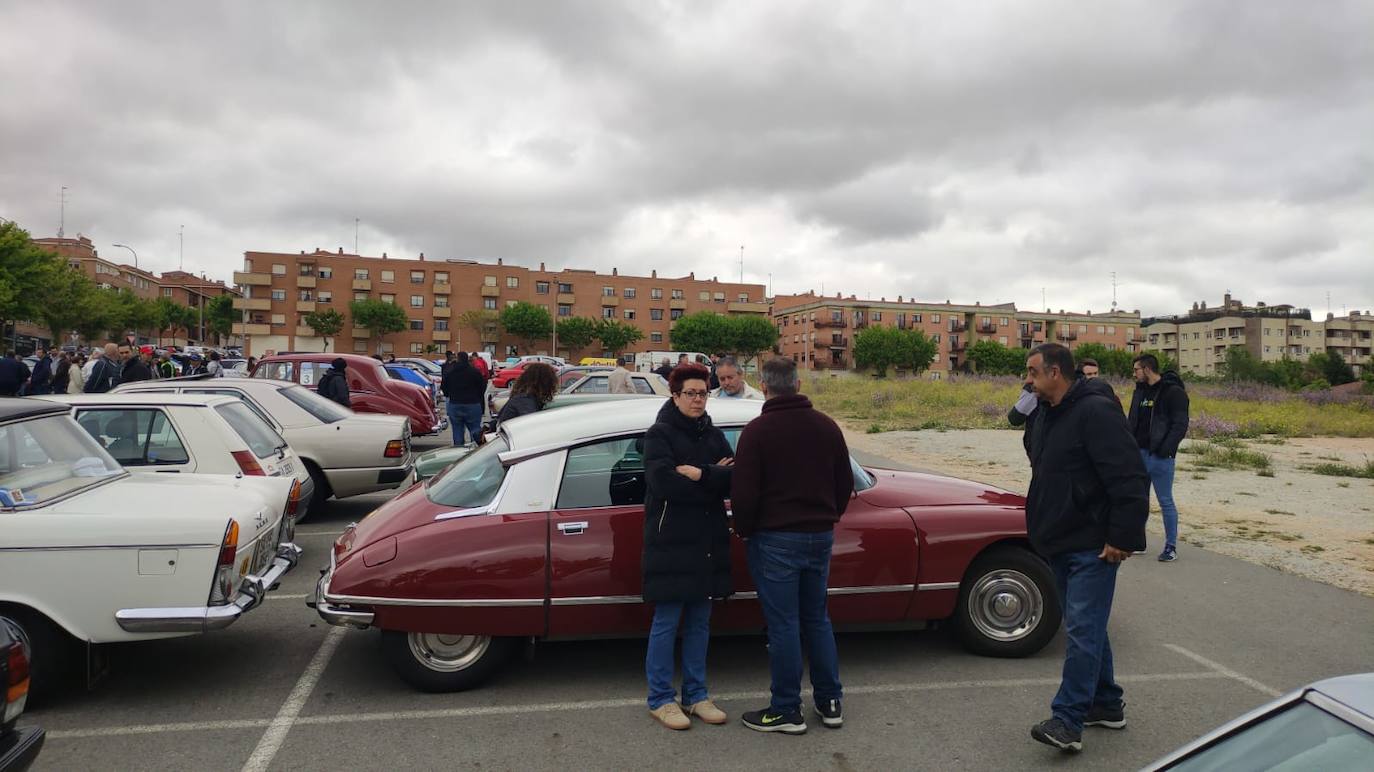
1312,525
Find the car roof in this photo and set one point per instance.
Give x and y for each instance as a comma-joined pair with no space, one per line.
1355,691
14,409
576,423
134,398
214,383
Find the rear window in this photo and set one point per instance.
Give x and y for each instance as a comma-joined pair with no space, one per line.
326,411
261,438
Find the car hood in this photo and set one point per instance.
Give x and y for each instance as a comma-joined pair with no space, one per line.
894,488
409,510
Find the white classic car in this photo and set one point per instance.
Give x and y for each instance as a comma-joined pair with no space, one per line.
173,433
92,554
346,453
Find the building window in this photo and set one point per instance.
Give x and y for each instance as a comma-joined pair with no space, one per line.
718,297
564,288
1002,322
417,301
511,303
489,304
360,347
488,281
305,294
279,269
608,292
629,292
564,309
417,277
167,293
386,348
360,296
678,294
417,324
441,277
1111,330
629,313
1002,340
656,314
608,312
325,296
934,318
837,316
513,282
278,320
388,298
326,272
441,301
935,338
704,296
877,316
656,337
675,313
744,297
306,269
417,348
388,277
1084,328
915,318
541,288
279,294
656,293
360,273
441,325
1101,329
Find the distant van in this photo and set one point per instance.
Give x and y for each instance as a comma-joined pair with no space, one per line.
607,361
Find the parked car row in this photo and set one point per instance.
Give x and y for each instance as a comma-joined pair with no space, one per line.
371,389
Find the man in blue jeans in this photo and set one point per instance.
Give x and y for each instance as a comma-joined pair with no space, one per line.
1085,512
1159,421
792,482
464,387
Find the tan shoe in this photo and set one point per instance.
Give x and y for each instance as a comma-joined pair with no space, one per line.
708,712
670,715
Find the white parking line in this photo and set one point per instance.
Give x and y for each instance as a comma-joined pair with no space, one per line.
555,707
1226,671
318,533
275,735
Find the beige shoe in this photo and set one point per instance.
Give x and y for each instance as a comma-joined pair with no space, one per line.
708,712
670,715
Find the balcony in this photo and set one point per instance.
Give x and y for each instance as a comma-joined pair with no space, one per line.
838,342
680,303
440,335
442,288
987,329
251,329
252,304
566,298
1070,335
441,312
490,292
860,324
362,332
609,301
305,306
957,346
362,285
836,323
305,282
305,332
244,279
743,307
958,327
491,336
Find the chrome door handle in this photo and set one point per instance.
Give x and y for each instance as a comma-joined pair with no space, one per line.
573,529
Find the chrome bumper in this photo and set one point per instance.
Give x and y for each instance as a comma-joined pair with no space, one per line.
339,616
200,619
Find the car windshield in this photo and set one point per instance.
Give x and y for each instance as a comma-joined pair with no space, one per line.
1302,737
473,481
262,439
46,458
425,365
327,411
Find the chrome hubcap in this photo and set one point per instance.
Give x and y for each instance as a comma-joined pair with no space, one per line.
1005,605
448,653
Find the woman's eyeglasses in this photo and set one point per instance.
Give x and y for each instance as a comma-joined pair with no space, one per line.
695,394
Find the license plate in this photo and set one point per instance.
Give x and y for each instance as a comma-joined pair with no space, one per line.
286,468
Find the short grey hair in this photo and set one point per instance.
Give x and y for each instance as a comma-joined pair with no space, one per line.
728,361
780,377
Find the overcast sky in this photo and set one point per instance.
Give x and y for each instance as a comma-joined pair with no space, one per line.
962,151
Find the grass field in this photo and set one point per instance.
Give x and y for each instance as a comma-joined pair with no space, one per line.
975,402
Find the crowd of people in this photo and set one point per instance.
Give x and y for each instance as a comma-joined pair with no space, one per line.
96,372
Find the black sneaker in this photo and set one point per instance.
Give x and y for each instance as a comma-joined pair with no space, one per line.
769,721
1105,717
1054,732
1169,555
831,713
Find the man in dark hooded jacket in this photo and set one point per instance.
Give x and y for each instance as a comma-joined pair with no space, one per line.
1085,512
1159,421
333,384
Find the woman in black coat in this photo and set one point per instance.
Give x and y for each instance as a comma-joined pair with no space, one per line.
686,544
534,389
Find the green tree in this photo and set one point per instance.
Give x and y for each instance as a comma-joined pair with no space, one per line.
326,324
993,358
1116,362
881,347
380,318
1337,370
703,331
220,316
1166,362
615,335
483,323
70,298
577,332
527,322
188,319
166,315
26,273
749,334
920,351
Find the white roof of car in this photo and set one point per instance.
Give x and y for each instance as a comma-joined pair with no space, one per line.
248,384
577,423
132,398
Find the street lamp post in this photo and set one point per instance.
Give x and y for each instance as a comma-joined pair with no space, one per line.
131,249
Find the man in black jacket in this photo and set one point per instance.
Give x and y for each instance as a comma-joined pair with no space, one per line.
13,374
1085,512
105,372
134,368
333,384
464,387
40,380
1159,421
792,483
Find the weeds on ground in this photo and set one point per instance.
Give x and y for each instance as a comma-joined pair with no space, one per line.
1227,455
1278,512
1345,470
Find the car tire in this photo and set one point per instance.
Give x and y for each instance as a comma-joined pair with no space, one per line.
434,662
50,651
1008,605
321,494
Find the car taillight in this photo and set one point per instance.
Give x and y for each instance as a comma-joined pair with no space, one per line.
225,585
395,449
248,463
17,690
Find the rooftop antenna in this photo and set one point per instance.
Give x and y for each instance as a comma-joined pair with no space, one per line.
181,247
1113,290
1042,299
355,235
741,263
1328,296
62,222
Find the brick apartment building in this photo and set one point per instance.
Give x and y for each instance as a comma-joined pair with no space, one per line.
1199,339
279,289
817,332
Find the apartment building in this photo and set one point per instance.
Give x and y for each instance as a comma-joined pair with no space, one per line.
279,289
1199,339
817,331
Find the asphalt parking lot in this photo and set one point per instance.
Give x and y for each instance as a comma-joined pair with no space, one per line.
1197,642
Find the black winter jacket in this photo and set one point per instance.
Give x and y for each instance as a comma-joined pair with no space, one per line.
333,385
1169,417
518,405
686,535
463,385
1088,484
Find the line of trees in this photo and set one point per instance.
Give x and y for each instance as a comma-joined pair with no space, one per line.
988,357
1321,370
38,286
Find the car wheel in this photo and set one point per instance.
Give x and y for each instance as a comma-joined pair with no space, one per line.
321,494
1008,606
48,648
439,662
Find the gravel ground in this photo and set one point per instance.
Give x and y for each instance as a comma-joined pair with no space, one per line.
1312,525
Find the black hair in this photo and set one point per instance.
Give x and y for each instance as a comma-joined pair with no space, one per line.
1055,355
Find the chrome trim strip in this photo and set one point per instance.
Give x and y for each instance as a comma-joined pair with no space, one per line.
455,602
583,600
937,586
1340,710
866,590
111,547
597,600
200,619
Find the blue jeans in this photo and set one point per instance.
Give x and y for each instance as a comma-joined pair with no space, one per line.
1086,585
465,417
1161,471
790,571
694,619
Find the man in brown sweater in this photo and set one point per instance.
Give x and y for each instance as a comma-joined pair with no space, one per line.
792,481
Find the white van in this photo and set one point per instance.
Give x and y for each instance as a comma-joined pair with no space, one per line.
649,360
